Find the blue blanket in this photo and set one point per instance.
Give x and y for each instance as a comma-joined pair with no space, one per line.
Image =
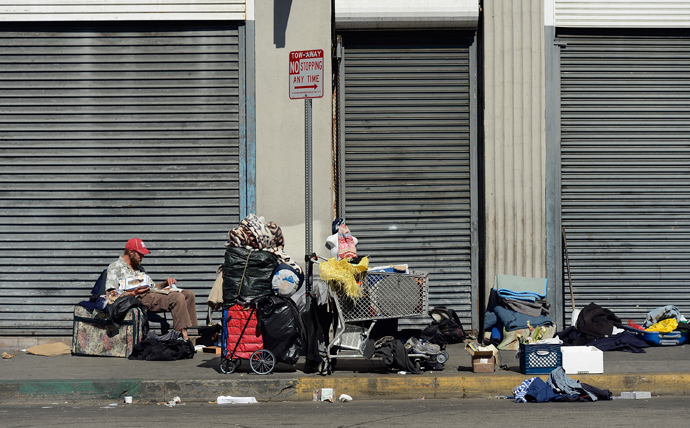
515,320
520,288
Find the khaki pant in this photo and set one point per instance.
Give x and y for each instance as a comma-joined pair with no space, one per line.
182,305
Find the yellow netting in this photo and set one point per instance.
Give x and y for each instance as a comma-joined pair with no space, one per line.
341,275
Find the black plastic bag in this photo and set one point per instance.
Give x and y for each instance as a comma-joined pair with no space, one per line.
281,328
446,327
152,349
433,334
247,275
117,311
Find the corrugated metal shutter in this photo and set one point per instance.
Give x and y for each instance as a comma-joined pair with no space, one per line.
625,170
110,131
361,14
407,156
121,10
621,13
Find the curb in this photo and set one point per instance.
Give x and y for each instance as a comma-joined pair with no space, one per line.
303,388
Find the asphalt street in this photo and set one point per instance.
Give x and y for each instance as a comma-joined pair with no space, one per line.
475,413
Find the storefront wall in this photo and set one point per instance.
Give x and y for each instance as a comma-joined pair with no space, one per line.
407,139
113,129
514,221
620,90
283,27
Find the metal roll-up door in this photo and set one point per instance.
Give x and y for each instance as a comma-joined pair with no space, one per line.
110,131
406,156
625,170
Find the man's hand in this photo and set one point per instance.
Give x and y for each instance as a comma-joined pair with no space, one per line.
139,290
165,284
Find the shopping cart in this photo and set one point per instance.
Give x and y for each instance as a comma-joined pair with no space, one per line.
385,295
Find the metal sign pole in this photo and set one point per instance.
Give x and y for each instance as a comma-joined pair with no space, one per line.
308,204
305,72
308,176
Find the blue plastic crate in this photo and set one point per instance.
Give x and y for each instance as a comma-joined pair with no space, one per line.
540,358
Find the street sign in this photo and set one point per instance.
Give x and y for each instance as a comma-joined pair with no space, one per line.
306,74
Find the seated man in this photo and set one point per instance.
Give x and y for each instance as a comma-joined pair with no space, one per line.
181,304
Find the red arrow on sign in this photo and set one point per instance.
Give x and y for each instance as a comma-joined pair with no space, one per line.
314,86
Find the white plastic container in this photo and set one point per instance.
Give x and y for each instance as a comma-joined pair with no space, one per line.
227,399
582,359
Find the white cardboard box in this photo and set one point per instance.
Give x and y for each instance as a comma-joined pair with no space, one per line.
582,359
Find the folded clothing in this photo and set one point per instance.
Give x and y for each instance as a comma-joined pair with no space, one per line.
533,309
520,288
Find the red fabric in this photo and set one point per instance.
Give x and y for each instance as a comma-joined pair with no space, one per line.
235,318
632,324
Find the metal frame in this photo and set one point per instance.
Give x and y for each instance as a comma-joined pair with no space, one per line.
477,298
247,114
554,248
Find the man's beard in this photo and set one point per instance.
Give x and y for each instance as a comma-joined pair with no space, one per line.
135,261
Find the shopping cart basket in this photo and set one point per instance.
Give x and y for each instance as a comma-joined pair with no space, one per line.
385,295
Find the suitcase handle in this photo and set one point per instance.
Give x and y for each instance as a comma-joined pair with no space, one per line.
673,335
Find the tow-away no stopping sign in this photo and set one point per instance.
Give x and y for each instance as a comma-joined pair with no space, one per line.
306,74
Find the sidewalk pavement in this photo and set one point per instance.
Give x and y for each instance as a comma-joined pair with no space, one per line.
31,378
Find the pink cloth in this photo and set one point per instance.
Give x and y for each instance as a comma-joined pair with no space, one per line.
346,244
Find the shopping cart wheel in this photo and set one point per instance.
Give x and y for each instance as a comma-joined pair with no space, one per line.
228,366
442,357
262,361
417,364
326,366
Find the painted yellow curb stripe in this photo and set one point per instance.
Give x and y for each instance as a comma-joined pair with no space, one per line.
478,386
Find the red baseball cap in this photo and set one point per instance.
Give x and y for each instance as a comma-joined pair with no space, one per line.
137,245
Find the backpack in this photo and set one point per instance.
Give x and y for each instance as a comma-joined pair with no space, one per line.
445,328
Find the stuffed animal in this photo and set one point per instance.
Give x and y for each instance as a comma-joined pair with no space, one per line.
341,243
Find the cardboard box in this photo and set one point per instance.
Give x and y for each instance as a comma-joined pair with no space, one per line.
582,359
483,363
483,357
211,350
